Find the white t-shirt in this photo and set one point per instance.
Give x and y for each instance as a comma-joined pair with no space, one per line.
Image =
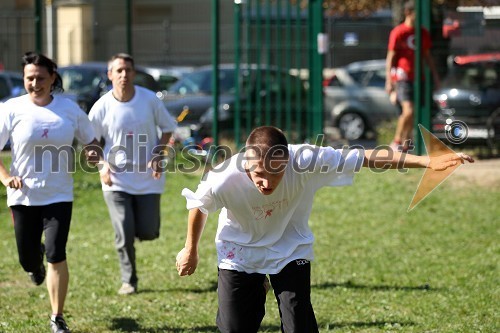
41,147
130,131
262,233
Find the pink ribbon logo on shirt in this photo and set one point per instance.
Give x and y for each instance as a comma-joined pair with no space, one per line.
45,133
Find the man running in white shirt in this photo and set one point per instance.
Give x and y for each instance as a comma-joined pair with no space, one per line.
129,119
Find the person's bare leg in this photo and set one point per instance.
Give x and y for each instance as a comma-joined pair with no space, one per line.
57,285
406,119
399,129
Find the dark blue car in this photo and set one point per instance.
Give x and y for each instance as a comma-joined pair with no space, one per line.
87,82
468,102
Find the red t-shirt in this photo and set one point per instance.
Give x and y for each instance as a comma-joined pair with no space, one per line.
402,42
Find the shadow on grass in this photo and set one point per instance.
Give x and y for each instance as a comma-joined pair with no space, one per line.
124,324
348,284
211,288
130,325
352,285
361,324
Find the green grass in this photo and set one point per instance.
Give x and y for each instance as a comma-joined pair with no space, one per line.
378,268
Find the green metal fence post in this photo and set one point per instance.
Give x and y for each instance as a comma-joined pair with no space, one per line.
237,59
215,71
128,27
258,62
249,59
422,112
288,64
298,65
38,26
277,52
417,113
426,111
315,68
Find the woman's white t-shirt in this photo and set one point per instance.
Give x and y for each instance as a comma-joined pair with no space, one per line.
41,147
262,233
131,131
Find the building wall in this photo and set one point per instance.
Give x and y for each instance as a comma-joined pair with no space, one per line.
163,33
74,42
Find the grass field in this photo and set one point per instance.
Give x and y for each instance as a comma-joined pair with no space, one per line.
378,268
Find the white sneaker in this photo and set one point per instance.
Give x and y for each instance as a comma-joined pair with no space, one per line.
394,146
58,325
127,289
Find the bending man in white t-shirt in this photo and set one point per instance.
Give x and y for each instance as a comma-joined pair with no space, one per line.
128,119
266,196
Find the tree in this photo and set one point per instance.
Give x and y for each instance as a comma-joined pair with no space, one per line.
366,7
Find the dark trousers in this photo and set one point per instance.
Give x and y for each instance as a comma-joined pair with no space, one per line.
29,224
242,299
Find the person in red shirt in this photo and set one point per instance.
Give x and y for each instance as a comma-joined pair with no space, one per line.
400,61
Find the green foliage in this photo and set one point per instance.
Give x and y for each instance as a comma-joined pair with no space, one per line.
378,268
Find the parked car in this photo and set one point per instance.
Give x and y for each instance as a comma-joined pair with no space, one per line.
166,76
87,82
11,85
190,99
468,101
355,100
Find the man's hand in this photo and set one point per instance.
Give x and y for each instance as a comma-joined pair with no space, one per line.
92,157
159,161
157,166
443,162
105,173
186,262
13,182
93,153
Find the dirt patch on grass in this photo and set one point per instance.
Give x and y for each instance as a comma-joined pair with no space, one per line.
484,173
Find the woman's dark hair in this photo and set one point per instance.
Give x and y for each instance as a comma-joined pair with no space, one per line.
37,59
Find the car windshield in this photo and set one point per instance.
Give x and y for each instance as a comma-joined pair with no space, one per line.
369,78
80,81
200,82
474,76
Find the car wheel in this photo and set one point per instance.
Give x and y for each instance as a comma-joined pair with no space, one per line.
351,125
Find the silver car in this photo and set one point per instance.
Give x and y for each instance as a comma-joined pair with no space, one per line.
355,100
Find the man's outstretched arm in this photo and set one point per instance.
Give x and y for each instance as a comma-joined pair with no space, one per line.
388,159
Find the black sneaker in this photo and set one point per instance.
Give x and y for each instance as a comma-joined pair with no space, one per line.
39,276
58,325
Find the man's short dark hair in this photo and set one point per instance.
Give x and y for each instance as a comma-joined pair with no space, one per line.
125,56
268,142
